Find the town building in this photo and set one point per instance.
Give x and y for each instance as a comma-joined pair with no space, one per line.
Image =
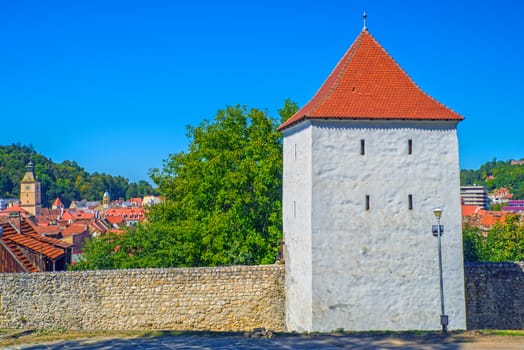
119,217
474,195
366,161
476,216
7,202
514,206
106,198
58,227
30,192
500,196
23,249
57,204
151,200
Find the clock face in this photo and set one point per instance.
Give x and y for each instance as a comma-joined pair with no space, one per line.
27,187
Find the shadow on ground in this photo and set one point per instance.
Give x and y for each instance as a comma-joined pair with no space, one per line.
231,340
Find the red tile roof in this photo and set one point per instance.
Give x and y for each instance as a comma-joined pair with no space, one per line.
58,203
9,230
491,218
35,245
77,214
74,229
470,210
126,213
46,246
15,208
368,84
29,229
48,230
115,220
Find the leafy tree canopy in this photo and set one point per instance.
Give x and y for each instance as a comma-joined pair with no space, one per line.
502,243
223,199
66,180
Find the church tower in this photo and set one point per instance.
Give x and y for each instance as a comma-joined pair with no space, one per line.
366,161
30,193
105,200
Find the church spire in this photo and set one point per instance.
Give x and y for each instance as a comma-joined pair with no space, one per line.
29,173
364,16
30,167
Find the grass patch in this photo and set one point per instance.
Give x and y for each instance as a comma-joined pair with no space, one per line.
503,332
30,336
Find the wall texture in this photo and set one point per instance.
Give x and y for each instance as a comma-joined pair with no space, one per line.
222,299
371,268
495,295
232,298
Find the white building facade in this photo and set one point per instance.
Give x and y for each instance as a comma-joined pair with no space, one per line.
365,163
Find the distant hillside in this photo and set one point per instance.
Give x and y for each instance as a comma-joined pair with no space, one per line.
496,174
66,180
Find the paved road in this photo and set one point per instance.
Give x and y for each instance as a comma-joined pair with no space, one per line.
285,342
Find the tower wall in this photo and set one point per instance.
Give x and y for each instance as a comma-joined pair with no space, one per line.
297,226
31,197
376,268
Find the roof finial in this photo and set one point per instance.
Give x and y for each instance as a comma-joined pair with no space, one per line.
365,16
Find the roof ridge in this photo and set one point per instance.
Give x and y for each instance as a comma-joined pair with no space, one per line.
408,75
368,83
347,57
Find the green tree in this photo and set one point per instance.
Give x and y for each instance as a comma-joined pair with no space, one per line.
503,242
288,110
229,185
223,199
104,253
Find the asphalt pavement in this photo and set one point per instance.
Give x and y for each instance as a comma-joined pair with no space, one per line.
287,342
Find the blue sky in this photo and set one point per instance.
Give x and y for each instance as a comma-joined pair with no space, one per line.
112,84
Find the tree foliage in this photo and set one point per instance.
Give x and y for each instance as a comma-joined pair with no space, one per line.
66,180
223,199
502,243
496,174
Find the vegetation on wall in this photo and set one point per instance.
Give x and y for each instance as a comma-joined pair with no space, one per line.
66,180
223,200
496,174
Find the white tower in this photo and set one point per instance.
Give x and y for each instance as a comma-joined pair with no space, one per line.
366,161
106,200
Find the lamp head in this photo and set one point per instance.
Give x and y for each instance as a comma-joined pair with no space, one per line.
437,212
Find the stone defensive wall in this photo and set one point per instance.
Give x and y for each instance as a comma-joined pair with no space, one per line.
494,295
234,298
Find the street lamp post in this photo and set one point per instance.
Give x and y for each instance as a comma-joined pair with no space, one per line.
438,231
